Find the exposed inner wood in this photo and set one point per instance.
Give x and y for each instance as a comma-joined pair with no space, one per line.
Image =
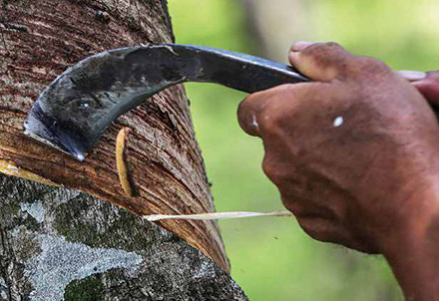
40,39
9,168
122,163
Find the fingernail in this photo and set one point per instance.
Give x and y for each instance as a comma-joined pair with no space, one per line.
412,75
300,45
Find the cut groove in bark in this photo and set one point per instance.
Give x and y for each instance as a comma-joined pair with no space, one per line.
123,168
40,39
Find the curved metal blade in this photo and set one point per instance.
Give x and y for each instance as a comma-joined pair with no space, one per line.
73,112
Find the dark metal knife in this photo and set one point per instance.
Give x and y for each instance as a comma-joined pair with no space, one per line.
72,113
75,109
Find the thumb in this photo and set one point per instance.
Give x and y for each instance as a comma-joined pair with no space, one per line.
320,61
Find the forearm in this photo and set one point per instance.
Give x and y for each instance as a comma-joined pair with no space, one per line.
413,254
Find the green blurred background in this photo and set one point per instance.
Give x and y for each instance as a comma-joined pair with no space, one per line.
271,258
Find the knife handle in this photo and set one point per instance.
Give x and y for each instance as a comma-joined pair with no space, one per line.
249,73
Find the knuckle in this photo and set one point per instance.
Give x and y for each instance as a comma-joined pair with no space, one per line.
271,169
245,106
248,113
293,205
372,65
273,117
313,50
274,113
318,229
319,49
333,45
253,102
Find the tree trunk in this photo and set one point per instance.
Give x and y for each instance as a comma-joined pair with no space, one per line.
61,243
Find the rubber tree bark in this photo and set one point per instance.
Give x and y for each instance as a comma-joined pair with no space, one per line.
58,242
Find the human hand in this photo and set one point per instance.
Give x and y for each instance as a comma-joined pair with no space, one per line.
355,155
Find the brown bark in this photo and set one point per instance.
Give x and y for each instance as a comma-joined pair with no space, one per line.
38,40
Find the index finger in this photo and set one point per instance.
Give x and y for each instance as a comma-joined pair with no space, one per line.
249,109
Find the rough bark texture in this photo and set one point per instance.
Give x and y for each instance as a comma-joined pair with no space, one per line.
59,243
38,40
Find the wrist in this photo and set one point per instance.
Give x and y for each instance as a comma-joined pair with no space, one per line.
413,249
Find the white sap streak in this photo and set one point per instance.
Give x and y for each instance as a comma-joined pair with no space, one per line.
215,215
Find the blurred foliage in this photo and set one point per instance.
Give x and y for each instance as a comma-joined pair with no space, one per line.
402,33
272,259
